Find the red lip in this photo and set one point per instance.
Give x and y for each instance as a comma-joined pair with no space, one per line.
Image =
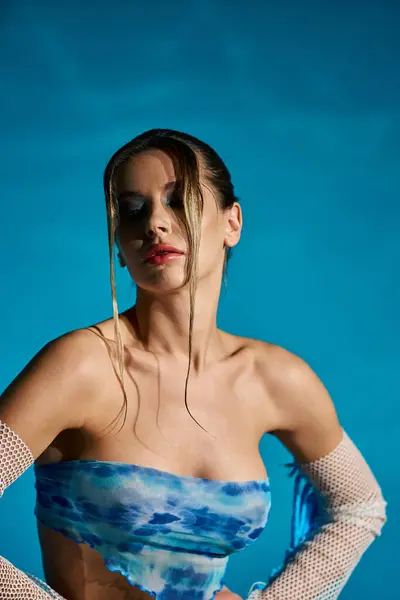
160,249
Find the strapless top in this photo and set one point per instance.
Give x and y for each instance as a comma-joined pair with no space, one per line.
169,535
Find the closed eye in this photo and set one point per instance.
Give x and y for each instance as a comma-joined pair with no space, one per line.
132,208
135,207
175,201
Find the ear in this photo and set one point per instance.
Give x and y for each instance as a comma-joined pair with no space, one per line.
233,225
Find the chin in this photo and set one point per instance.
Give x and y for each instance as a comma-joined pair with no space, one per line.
161,282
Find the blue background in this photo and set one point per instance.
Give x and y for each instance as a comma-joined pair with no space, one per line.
302,100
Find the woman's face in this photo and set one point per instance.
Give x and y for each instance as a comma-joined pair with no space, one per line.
151,212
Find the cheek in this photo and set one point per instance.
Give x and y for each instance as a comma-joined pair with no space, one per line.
128,243
128,232
212,238
213,222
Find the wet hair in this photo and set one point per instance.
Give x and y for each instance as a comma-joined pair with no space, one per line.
188,153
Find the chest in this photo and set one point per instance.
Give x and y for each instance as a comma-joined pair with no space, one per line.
211,428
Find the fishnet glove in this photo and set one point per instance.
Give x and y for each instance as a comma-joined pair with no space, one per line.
15,458
318,567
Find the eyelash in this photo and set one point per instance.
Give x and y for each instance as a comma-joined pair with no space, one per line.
132,212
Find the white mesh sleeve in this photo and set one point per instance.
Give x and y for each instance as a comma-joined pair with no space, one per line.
319,567
15,458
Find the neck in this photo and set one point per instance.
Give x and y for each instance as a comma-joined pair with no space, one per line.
163,323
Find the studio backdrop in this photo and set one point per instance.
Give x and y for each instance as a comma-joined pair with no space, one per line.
302,101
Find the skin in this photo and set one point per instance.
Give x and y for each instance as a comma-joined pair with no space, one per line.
240,388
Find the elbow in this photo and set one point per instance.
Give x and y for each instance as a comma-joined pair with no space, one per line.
370,516
376,513
381,516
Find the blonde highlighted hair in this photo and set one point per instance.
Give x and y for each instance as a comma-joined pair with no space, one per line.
187,153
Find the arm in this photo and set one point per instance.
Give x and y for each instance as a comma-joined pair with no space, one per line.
319,566
227,594
48,396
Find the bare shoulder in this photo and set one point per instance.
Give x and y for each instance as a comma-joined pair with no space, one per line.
54,391
267,356
307,422
70,356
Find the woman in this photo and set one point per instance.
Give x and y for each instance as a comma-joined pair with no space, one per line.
156,506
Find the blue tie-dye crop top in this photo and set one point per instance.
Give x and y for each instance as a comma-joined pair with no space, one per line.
169,535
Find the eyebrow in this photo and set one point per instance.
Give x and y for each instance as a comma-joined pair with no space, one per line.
134,194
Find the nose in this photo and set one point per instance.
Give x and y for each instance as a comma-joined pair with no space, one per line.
159,221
